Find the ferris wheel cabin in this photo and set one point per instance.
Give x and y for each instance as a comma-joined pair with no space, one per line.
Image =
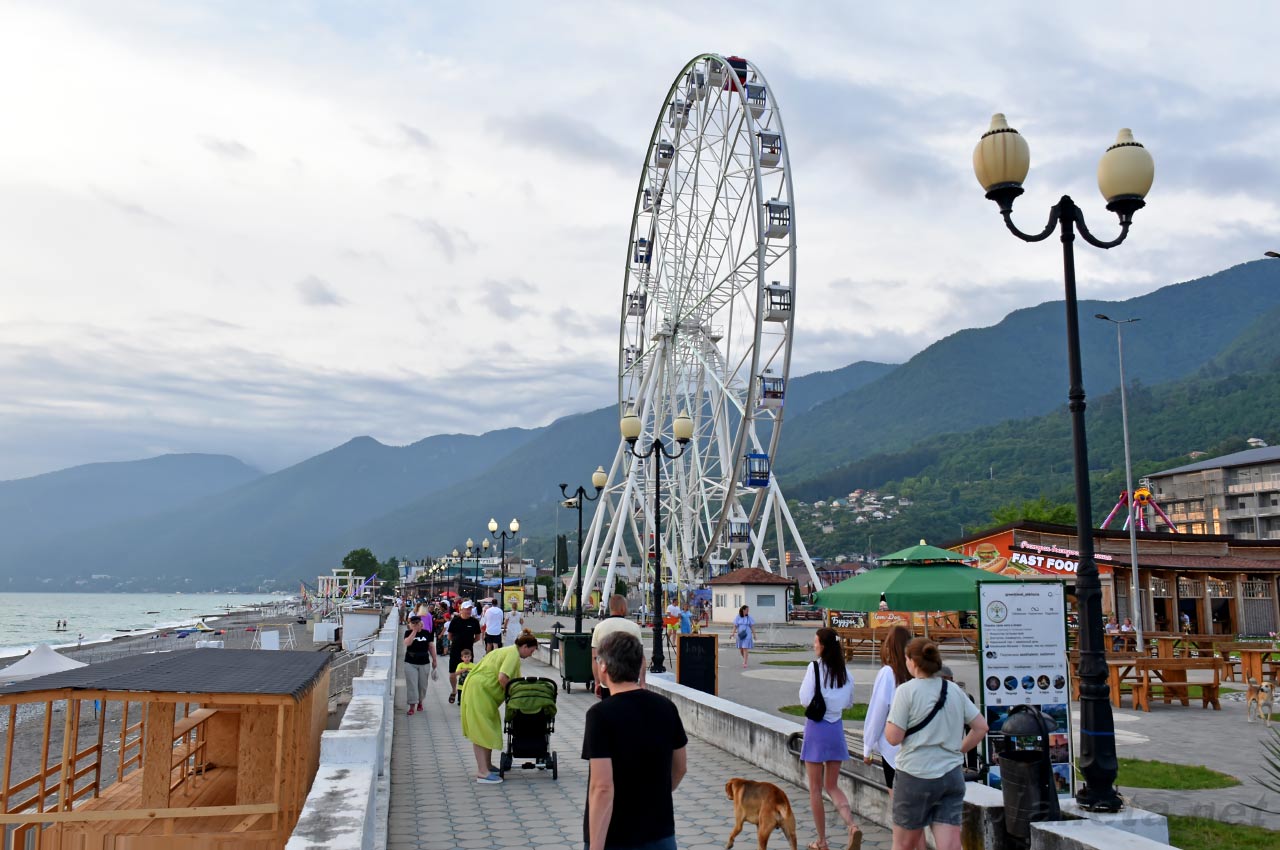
636,302
697,87
716,73
644,251
777,302
772,391
778,218
679,115
739,66
756,100
666,153
770,149
739,535
755,470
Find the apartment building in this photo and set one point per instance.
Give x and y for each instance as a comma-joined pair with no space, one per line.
1236,494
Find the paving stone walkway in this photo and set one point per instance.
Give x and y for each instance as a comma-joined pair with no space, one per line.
437,805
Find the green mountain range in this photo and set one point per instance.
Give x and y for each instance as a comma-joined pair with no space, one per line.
972,422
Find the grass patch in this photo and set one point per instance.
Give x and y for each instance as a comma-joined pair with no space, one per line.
858,712
1139,773
786,663
1204,834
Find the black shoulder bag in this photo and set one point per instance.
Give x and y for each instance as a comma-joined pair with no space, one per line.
937,706
816,710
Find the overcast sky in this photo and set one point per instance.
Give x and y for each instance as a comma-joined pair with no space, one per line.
263,228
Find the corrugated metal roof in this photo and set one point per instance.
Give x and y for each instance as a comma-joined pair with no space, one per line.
1248,457
206,671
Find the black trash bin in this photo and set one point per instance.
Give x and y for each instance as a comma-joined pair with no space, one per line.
1026,771
575,659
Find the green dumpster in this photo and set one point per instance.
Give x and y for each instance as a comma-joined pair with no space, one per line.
575,659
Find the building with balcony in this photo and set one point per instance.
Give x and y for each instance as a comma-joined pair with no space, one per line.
1236,494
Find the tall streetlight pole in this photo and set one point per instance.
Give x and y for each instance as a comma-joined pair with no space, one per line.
1135,587
598,479
504,537
1125,173
682,430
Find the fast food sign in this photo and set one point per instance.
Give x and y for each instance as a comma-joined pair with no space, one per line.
1032,559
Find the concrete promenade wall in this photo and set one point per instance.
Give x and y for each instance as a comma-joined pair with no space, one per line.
765,740
347,806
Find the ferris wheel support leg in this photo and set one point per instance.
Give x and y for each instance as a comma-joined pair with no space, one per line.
795,535
782,543
592,564
760,556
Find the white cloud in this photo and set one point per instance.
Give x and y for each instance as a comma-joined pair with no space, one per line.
198,175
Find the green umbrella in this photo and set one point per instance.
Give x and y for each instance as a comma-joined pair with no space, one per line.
922,554
945,587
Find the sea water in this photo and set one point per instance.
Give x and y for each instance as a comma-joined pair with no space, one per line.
29,618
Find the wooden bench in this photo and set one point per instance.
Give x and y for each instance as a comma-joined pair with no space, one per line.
1170,676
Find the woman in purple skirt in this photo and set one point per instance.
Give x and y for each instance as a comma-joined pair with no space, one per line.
824,745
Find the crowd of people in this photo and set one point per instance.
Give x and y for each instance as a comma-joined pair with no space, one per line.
919,722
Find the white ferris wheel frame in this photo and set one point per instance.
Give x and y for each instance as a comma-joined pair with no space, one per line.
694,336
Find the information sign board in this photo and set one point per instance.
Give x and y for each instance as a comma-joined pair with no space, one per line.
1023,661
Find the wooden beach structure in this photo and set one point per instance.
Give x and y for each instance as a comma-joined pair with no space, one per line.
216,748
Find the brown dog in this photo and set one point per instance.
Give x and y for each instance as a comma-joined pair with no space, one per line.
763,804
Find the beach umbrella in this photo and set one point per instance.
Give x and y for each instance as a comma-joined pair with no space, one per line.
914,587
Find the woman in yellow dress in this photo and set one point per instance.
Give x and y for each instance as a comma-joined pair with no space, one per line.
486,688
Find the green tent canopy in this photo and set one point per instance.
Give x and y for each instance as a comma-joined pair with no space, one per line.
922,554
945,587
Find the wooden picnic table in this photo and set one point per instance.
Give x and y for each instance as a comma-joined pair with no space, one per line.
1253,660
1181,645
1145,675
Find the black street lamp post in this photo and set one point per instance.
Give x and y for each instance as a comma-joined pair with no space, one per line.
598,480
472,551
504,537
1125,174
682,430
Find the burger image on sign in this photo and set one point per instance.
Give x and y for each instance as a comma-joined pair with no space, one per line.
990,559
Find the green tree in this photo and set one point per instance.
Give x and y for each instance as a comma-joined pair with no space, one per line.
389,575
620,586
1036,510
361,562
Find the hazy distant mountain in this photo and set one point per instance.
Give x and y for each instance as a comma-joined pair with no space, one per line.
100,494
1017,368
252,529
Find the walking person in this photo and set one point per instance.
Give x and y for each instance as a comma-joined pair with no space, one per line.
419,651
486,689
634,744
926,722
893,675
463,631
744,633
492,620
824,747
616,622
515,623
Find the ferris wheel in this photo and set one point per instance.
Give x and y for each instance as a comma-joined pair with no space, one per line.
708,306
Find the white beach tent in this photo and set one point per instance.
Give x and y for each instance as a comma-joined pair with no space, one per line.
41,661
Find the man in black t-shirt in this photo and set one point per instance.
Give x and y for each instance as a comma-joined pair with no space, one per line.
419,651
635,744
463,630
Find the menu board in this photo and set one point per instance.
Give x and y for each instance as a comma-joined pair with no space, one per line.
1023,661
697,662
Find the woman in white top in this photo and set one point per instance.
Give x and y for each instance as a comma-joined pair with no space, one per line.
824,746
894,673
515,623
927,722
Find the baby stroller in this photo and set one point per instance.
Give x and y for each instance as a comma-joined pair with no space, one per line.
530,720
